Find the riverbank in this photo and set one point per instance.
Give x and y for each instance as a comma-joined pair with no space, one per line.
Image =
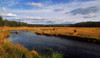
9,50
75,33
88,34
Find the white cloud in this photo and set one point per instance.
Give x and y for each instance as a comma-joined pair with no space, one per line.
3,9
84,11
48,15
35,4
90,15
59,9
9,15
28,17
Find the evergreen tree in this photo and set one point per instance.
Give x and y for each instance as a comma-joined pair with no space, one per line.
1,21
6,23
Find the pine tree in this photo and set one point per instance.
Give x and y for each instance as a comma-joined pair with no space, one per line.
1,21
6,23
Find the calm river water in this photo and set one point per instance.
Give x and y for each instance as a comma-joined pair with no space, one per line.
69,48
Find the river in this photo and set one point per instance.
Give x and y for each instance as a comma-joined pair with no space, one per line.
69,48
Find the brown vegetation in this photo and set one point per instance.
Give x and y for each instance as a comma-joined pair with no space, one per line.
9,50
84,32
80,33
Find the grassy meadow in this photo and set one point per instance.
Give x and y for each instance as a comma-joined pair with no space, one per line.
9,50
85,33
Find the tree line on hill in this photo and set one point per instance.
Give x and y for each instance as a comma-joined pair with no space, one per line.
7,23
86,24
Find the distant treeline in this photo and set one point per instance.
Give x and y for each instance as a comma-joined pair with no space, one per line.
81,24
86,24
16,23
20,24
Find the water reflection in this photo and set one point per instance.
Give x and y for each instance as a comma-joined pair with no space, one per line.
69,48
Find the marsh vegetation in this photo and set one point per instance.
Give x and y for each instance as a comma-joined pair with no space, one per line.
10,50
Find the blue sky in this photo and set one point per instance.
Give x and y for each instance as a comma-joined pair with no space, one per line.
50,11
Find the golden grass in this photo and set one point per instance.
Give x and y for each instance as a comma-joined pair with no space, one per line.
88,32
9,50
83,32
23,28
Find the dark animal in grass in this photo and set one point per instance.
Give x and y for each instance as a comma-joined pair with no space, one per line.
75,31
54,29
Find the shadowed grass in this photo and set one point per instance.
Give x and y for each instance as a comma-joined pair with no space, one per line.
54,55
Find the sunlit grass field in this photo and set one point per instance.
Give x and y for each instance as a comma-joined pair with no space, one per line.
87,32
10,50
82,32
